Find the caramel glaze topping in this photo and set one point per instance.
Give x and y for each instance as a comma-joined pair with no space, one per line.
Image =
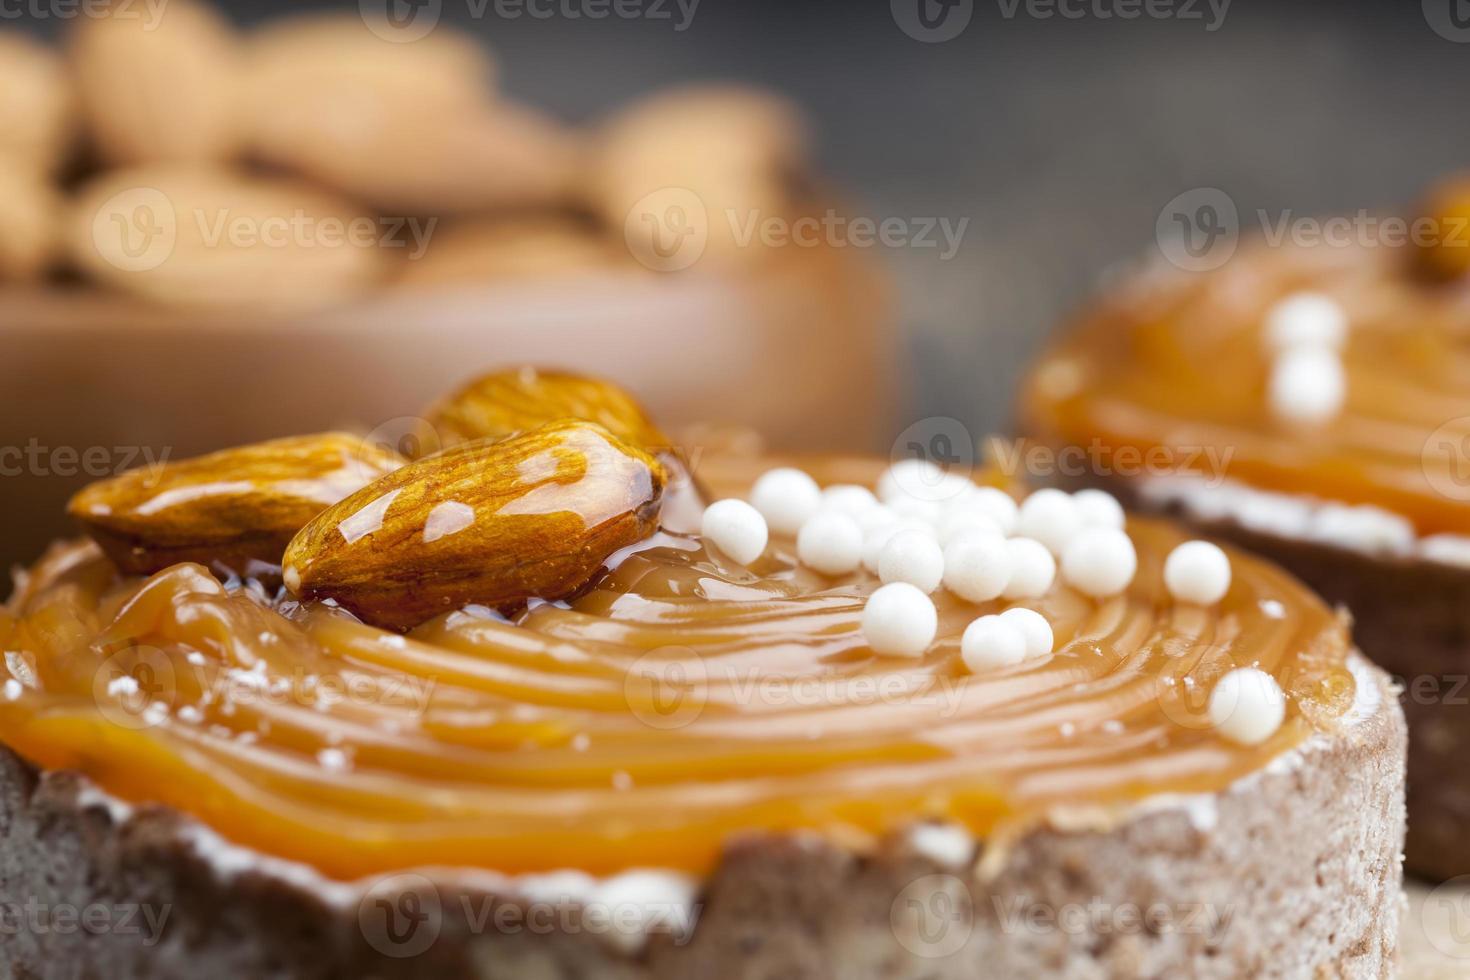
1178,360
678,702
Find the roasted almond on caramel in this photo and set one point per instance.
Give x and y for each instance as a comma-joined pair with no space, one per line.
489,522
228,508
506,402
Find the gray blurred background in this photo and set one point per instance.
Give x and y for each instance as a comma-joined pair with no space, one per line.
1057,138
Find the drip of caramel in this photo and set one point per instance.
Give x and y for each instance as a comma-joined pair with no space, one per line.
677,703
1170,373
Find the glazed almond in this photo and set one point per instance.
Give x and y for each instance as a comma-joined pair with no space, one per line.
491,522
506,402
228,508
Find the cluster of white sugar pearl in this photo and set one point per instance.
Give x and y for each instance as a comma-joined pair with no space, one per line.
736,528
1005,640
1305,333
1100,562
1197,572
1247,706
899,620
913,557
786,498
830,542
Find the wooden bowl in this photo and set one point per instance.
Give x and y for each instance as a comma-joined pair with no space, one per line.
800,349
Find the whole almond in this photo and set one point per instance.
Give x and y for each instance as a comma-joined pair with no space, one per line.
406,156
37,103
494,523
228,508
503,403
411,128
687,173
199,237
30,211
157,83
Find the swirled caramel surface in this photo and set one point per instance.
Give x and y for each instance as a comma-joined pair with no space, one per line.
678,702
1178,362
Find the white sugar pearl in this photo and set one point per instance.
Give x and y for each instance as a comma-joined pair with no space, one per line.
958,521
1305,320
1033,626
879,515
1307,386
990,642
1247,706
848,498
997,505
1100,562
909,478
1099,508
786,498
899,621
928,511
977,566
1197,572
1032,569
1051,517
831,543
736,528
876,537
913,557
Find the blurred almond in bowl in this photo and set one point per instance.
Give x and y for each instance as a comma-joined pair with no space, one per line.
493,250
408,128
29,213
205,237
157,83
692,172
37,103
